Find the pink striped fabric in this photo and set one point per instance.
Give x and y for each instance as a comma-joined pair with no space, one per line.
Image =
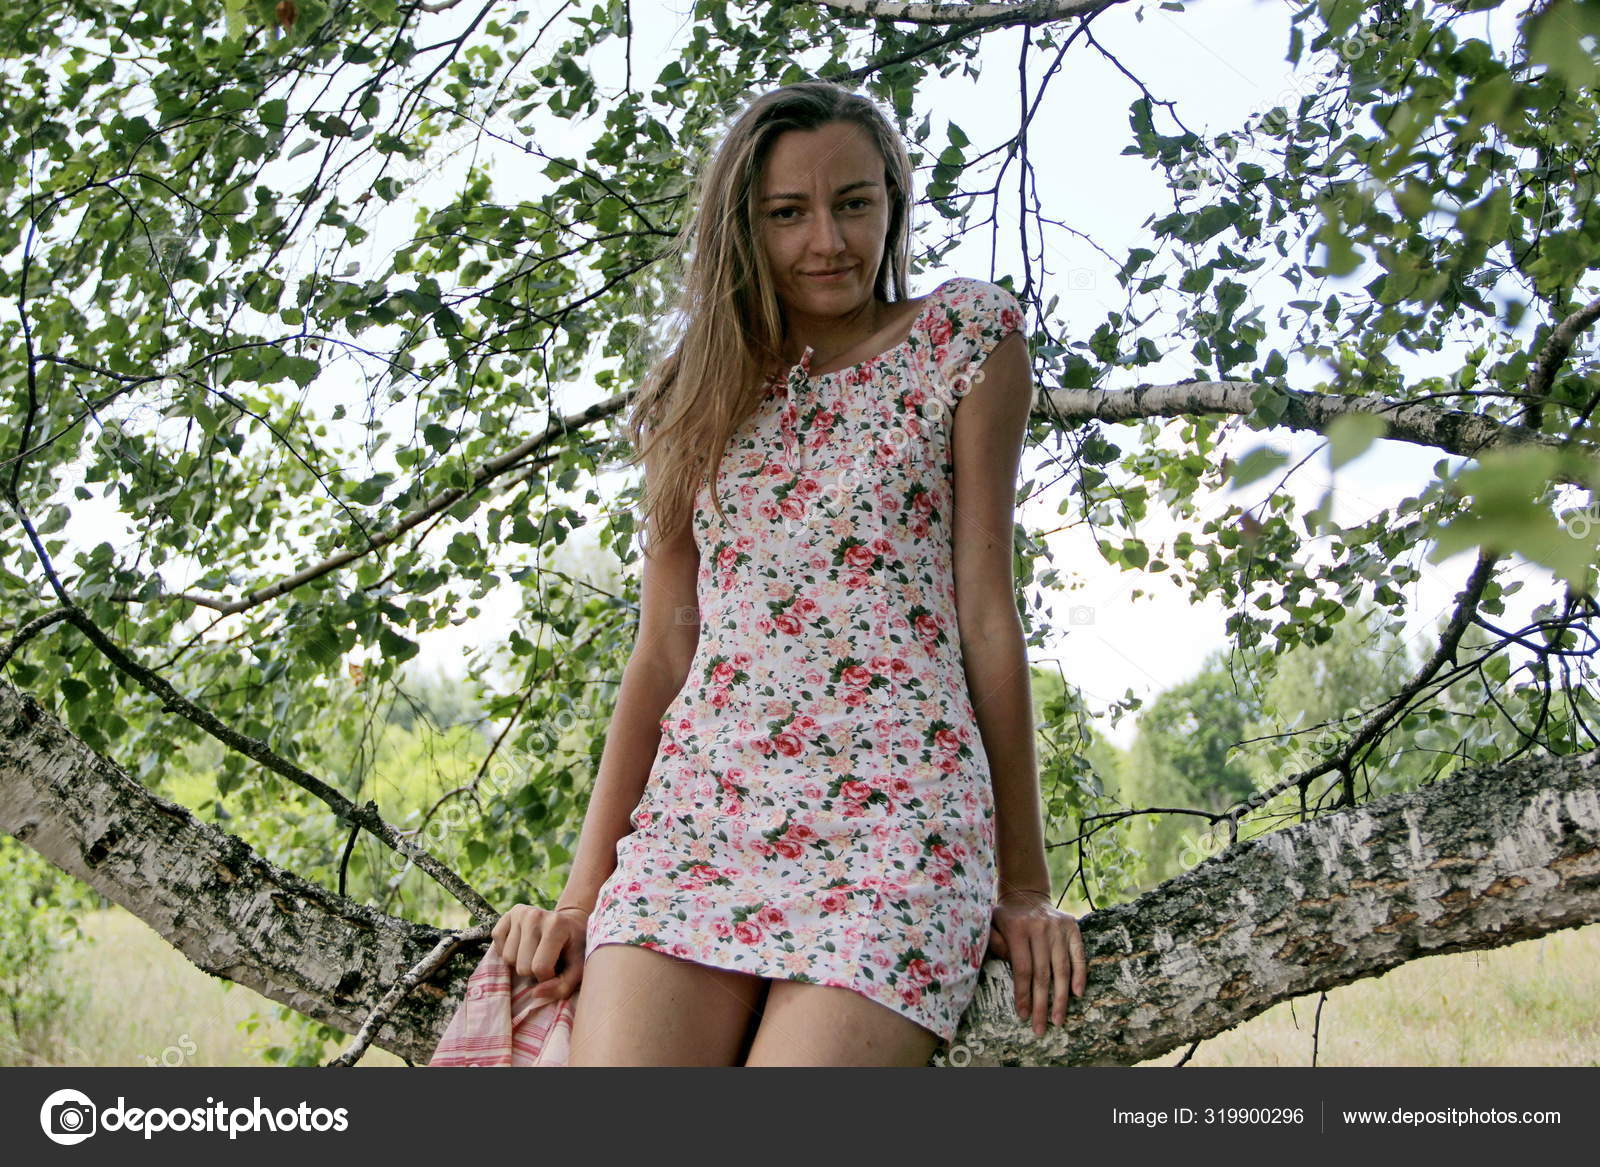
499,1023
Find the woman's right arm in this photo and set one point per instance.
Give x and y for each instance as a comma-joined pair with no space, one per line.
657,668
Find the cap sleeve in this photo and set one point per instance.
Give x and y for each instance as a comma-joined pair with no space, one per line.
974,316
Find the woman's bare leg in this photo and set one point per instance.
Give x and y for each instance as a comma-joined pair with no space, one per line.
641,1007
803,1024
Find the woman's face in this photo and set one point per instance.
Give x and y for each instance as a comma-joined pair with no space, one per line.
824,207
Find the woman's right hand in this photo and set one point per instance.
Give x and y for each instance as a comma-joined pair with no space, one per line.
533,940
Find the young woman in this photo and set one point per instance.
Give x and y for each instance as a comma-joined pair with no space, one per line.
818,804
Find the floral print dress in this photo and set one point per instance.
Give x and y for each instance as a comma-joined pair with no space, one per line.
820,807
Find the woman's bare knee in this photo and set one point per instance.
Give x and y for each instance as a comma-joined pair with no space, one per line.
642,1007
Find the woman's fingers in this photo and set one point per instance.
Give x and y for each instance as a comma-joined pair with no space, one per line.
501,927
1080,959
560,987
1061,964
1039,944
528,944
1021,970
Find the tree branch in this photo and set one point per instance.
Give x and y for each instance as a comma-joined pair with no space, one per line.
1454,431
981,15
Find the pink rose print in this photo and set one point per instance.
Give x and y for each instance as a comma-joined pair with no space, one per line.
856,791
856,676
860,557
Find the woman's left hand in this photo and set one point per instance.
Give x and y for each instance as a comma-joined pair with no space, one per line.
1045,950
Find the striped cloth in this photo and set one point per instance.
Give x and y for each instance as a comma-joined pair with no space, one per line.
500,1023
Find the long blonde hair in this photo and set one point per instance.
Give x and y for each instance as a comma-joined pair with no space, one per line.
691,401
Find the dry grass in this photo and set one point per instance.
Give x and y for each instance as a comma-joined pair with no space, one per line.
140,1002
1530,1004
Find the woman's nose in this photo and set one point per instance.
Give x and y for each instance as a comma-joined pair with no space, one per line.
826,238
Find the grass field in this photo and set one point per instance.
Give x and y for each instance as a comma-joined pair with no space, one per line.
139,1002
1531,1004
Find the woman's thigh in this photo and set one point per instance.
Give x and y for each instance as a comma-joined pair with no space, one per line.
804,1024
640,1007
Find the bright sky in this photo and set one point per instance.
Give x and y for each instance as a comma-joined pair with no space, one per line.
1220,61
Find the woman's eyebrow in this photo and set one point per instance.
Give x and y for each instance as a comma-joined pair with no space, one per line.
847,187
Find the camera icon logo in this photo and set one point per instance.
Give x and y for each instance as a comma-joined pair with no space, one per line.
68,1117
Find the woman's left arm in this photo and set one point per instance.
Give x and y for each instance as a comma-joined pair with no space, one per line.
1042,944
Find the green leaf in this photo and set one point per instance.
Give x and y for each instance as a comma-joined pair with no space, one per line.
323,643
523,531
396,648
371,490
1350,434
1506,515
233,11
1555,38
1257,464
1269,402
463,549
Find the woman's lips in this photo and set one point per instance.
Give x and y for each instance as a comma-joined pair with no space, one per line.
831,278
